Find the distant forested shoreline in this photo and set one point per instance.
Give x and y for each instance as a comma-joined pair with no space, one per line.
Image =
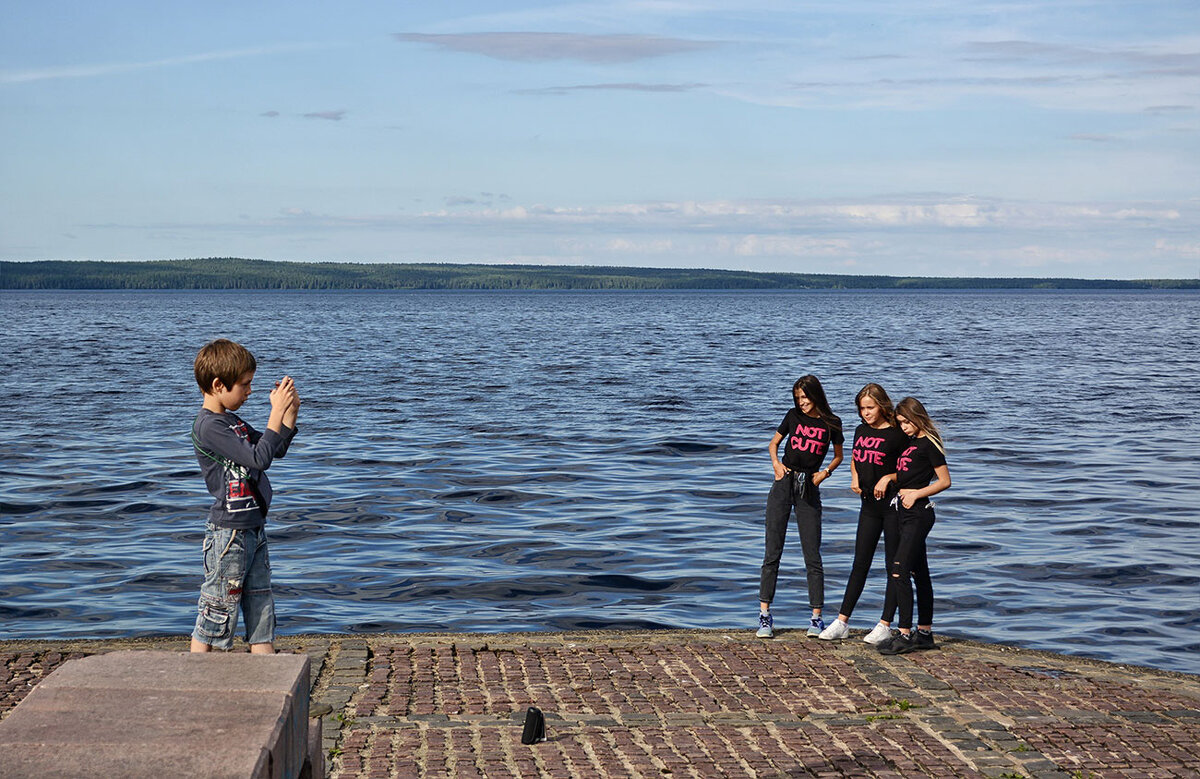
235,273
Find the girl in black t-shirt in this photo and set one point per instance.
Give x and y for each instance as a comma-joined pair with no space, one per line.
921,472
877,444
807,431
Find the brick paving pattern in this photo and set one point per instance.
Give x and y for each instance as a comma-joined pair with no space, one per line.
718,703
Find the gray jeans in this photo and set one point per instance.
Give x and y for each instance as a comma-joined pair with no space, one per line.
795,491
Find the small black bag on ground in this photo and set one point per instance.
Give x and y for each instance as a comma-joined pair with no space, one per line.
535,726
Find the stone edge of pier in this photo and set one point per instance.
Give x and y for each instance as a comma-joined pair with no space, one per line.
666,702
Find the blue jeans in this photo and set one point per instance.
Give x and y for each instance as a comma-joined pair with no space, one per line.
237,574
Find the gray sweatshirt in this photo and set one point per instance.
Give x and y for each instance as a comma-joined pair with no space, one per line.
233,457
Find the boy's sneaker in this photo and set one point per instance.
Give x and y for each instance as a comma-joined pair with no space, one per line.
878,635
766,626
923,640
836,631
899,645
815,626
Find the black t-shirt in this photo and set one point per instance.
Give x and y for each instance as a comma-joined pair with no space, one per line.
874,455
806,440
915,466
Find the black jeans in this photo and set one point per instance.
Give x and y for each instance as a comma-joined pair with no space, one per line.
875,518
795,491
911,565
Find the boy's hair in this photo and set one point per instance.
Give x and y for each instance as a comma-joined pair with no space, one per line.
225,360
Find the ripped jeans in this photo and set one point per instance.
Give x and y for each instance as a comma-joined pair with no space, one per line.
910,566
237,575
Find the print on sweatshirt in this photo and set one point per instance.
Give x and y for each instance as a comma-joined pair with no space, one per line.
239,497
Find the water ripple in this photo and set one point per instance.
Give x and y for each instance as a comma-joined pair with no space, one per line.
562,461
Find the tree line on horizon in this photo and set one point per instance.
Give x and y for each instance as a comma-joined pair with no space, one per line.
237,273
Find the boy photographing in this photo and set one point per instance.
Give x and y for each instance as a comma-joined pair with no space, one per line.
233,458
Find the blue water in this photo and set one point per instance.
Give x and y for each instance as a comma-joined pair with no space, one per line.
495,461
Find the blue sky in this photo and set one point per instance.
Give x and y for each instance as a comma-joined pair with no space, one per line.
1056,138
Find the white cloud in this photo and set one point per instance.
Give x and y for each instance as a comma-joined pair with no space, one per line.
759,215
107,69
937,66
332,116
1189,250
783,246
980,235
791,222
551,46
626,86
914,235
1034,256
660,246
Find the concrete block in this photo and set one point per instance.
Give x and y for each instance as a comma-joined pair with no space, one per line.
116,761
134,712
184,671
98,716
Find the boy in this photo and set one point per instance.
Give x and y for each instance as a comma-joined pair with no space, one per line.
233,457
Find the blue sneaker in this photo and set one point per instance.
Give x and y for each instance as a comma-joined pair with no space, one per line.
815,626
766,626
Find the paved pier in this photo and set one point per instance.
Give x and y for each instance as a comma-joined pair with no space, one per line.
715,703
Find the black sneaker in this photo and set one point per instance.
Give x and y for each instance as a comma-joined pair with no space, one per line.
922,640
899,645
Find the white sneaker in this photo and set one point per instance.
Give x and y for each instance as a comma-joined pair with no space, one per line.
836,631
878,635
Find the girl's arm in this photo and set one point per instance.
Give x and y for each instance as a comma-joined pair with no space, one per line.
854,480
828,470
909,497
881,487
779,468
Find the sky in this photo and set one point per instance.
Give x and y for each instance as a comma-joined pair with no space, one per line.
1035,138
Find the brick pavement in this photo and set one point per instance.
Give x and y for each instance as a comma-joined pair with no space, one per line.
717,703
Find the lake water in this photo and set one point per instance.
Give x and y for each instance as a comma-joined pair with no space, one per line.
498,461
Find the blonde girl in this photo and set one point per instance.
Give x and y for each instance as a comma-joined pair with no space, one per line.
921,472
877,445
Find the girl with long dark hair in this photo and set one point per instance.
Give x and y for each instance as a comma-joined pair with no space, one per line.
808,430
921,472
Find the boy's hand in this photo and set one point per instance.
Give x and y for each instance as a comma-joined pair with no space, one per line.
289,416
284,395
295,394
